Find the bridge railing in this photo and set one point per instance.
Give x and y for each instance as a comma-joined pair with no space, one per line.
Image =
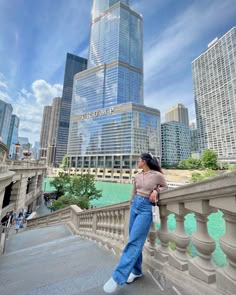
109,225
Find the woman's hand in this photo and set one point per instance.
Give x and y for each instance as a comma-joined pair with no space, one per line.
153,196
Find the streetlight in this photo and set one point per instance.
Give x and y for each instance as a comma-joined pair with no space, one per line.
17,146
26,154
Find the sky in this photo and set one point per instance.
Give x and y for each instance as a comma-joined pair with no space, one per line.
36,35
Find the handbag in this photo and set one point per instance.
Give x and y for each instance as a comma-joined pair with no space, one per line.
156,214
156,211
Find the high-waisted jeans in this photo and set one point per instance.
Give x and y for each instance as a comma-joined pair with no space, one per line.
139,225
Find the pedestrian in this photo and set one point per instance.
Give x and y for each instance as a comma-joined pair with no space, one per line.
146,186
19,222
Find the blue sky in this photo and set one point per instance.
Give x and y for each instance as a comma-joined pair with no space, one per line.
36,35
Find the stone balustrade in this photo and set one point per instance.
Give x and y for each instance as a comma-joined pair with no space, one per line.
109,226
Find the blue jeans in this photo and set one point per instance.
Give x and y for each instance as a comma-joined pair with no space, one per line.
139,225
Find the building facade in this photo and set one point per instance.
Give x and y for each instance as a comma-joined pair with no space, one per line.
13,136
74,64
194,138
53,130
5,120
109,125
43,145
214,80
177,113
176,142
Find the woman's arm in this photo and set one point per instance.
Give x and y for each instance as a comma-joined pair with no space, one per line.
134,190
162,184
160,187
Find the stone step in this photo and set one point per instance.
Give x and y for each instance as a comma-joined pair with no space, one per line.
56,263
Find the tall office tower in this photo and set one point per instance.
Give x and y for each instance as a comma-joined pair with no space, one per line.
35,149
13,136
43,145
177,113
214,80
194,138
5,120
53,129
74,65
176,142
109,125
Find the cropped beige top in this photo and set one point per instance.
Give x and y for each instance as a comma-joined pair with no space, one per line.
145,183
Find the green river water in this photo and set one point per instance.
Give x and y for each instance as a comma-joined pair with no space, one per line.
119,192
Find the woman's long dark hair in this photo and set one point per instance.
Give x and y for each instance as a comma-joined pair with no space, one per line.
151,161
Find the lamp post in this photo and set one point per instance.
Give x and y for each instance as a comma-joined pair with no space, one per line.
17,146
26,154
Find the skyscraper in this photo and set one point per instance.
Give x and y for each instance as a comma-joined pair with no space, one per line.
214,80
5,120
53,129
13,135
43,145
109,125
177,113
176,142
74,64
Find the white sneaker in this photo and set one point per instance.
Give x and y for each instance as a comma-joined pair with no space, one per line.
110,286
132,277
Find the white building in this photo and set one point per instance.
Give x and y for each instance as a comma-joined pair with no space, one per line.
214,79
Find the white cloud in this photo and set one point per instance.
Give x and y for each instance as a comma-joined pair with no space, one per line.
166,48
29,107
44,92
3,82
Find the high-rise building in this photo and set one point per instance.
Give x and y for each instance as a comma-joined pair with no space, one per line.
214,80
13,135
176,142
109,125
74,64
43,145
194,138
177,113
5,120
35,151
53,129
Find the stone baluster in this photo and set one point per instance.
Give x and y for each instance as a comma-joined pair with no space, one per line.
116,213
226,277
113,227
179,258
163,235
108,224
152,236
201,266
99,223
121,226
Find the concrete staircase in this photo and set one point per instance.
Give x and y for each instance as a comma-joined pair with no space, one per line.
51,261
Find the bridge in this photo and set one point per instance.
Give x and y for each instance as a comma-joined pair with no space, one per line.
82,262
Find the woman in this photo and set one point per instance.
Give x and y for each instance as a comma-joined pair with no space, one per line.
19,222
147,184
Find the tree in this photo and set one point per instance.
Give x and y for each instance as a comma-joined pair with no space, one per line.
79,190
65,162
83,185
196,176
61,183
190,163
209,159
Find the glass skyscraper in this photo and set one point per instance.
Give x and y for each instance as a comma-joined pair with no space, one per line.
13,135
74,64
109,125
5,120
